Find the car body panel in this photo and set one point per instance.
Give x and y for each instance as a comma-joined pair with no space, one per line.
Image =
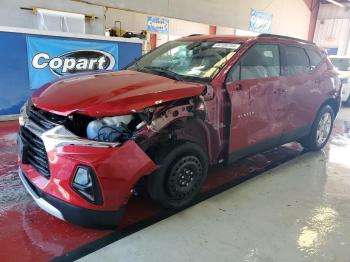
260,114
289,119
117,170
112,93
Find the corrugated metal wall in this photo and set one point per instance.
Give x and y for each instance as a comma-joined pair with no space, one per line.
333,28
333,33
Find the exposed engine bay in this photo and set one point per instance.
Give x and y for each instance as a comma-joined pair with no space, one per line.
150,120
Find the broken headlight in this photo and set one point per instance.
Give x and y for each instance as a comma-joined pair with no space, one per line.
110,129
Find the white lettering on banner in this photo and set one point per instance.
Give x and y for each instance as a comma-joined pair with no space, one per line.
70,62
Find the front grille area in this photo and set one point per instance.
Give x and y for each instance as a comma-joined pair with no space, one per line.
44,119
35,152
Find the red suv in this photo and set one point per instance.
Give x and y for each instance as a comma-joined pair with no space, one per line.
86,141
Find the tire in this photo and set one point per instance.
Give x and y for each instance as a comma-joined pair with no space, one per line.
319,135
183,170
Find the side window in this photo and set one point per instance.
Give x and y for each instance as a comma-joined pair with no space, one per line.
315,58
260,61
297,61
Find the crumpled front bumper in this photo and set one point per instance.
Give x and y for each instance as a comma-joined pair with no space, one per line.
118,167
65,211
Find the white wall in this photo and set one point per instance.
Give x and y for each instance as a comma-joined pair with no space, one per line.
179,28
12,15
224,30
135,21
333,28
333,33
290,17
329,11
131,21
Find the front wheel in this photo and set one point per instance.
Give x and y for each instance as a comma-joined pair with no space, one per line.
321,130
182,172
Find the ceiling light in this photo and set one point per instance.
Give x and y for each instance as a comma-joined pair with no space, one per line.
336,3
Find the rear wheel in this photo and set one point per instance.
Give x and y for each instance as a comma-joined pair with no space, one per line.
183,169
321,130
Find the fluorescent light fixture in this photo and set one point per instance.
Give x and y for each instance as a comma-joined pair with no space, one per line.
336,3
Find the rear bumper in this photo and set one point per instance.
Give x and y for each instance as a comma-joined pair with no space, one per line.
65,211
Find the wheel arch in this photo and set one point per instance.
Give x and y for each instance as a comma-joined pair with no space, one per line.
333,103
189,129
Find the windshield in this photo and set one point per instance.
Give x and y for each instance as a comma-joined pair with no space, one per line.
341,64
184,59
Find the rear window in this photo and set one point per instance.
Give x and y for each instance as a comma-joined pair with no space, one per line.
297,61
315,58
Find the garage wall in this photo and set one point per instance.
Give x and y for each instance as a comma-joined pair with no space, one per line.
11,14
333,28
333,33
290,17
135,21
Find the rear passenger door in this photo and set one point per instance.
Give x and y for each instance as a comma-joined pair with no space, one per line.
252,84
298,82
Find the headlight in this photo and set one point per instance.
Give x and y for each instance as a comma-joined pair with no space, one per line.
23,115
110,129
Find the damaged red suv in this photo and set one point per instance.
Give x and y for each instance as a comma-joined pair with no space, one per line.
87,141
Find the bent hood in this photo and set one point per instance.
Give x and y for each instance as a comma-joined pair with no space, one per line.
112,93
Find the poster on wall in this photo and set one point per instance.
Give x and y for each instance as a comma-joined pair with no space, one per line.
331,50
260,21
157,24
50,58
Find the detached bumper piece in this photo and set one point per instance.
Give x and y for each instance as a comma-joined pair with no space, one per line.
65,211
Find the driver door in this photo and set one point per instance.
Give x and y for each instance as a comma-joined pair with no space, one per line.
258,103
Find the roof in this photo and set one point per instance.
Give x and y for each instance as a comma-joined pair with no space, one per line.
232,38
218,38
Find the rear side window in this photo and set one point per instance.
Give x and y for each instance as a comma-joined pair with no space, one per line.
315,58
297,62
260,61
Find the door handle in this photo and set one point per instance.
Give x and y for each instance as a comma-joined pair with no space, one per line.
280,91
239,87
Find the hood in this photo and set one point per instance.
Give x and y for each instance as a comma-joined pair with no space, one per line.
112,93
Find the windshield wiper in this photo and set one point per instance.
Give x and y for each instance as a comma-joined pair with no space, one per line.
163,71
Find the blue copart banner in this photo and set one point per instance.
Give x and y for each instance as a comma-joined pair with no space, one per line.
157,24
52,58
260,21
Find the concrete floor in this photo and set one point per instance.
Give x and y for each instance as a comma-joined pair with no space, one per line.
299,211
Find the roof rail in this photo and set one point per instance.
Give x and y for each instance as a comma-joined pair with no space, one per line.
286,37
